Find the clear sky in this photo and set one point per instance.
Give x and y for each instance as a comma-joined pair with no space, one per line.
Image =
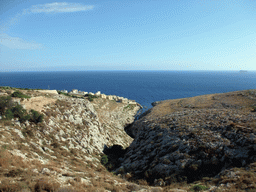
48,35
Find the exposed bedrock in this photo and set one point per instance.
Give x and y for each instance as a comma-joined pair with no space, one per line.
189,144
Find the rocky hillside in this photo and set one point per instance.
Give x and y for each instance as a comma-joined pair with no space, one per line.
210,138
64,151
69,143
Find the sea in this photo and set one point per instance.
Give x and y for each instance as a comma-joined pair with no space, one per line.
144,87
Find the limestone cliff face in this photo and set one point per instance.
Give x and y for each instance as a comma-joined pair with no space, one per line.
188,139
71,137
177,140
72,124
88,125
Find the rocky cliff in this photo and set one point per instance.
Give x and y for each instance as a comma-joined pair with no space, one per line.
63,152
194,138
191,144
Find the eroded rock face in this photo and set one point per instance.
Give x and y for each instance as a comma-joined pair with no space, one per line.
92,125
66,147
188,143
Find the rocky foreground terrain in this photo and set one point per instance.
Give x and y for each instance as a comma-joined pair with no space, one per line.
204,143
210,138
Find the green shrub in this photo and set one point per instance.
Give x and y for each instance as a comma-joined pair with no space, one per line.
91,97
104,160
24,118
21,113
10,111
9,114
5,102
198,188
60,92
19,94
18,111
36,117
5,87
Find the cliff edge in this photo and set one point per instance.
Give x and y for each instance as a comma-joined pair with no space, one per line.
186,140
87,143
63,150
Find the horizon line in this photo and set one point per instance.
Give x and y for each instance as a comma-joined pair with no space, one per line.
129,70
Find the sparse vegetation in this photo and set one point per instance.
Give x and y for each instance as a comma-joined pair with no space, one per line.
5,87
11,110
104,160
91,97
9,114
19,95
198,188
44,142
5,102
70,95
129,106
60,92
35,116
16,88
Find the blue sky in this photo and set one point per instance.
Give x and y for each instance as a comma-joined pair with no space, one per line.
127,35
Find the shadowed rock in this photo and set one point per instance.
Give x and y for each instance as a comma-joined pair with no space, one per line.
177,143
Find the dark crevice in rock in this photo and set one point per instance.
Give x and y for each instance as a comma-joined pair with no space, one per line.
114,154
127,129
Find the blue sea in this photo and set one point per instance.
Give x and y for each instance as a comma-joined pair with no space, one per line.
144,87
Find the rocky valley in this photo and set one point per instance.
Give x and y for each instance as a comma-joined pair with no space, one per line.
85,143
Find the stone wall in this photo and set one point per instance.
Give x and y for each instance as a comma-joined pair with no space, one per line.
49,91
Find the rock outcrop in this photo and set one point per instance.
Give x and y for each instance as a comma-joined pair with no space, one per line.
208,139
188,139
71,137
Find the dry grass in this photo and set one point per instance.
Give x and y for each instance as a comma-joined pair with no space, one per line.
37,103
236,99
14,168
43,184
7,160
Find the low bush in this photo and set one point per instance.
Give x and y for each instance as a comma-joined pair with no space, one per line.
5,87
104,160
9,111
198,188
19,112
129,106
35,116
25,118
60,92
19,95
5,102
91,97
9,114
